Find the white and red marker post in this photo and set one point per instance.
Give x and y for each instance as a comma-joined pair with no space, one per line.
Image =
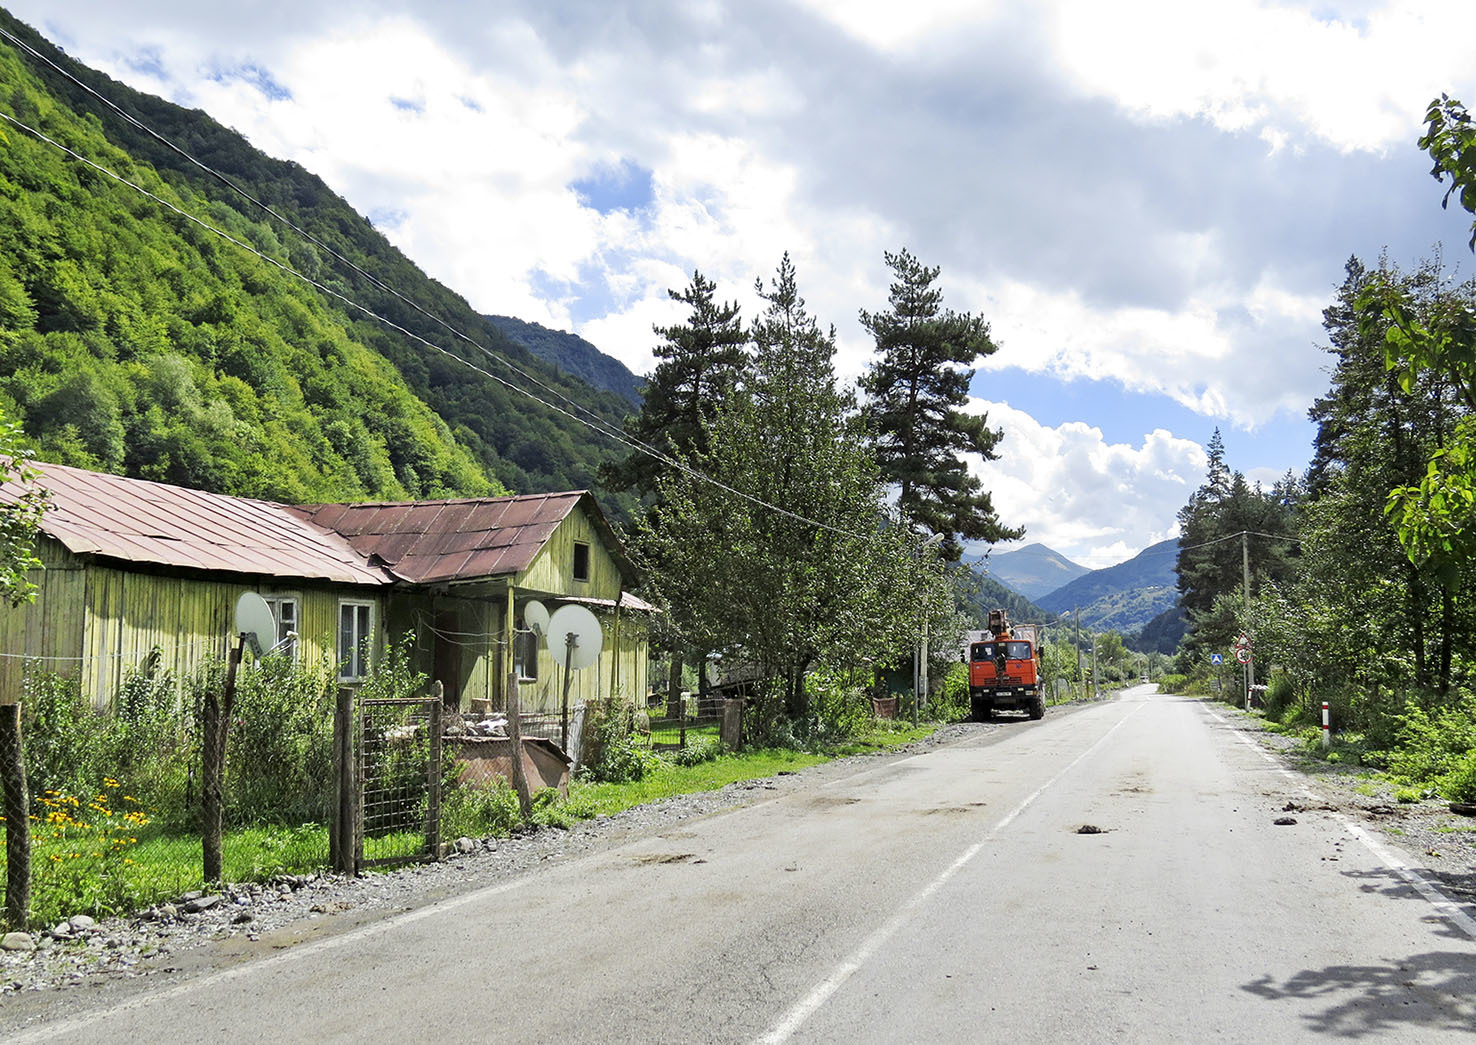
1326,728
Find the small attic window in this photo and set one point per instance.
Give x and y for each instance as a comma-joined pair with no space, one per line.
581,561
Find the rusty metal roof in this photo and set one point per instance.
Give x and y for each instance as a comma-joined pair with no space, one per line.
93,513
436,541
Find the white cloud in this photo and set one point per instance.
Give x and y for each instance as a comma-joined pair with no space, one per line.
1097,503
1219,355
1355,80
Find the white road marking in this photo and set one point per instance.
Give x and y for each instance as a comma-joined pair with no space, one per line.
806,1007
1432,893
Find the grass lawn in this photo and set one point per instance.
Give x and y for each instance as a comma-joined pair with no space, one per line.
100,865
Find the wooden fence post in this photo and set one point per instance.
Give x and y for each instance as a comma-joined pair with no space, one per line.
210,818
216,725
346,793
17,818
515,734
433,773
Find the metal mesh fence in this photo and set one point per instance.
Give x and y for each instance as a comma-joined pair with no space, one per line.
677,723
115,799
400,774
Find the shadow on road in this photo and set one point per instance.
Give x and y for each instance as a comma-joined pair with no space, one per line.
1459,887
1429,992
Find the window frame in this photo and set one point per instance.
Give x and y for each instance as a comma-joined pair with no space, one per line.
357,656
525,650
581,551
275,602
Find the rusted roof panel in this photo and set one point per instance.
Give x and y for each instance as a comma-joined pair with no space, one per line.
451,540
145,522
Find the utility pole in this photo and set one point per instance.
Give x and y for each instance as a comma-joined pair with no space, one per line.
1245,570
1081,682
1095,694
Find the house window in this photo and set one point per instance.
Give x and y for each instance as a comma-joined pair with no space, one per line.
284,612
581,561
355,639
525,653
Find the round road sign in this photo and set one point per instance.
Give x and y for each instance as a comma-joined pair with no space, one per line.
1243,654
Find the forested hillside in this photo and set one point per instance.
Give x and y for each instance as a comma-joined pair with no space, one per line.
573,355
134,340
1125,597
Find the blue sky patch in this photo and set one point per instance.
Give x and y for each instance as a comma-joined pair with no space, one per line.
415,105
256,76
626,187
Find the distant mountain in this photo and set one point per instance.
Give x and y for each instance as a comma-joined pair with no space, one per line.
989,594
1125,597
574,356
1033,570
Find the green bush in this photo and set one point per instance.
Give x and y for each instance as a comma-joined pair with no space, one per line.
1459,785
1429,745
279,751
1281,694
612,753
478,812
699,749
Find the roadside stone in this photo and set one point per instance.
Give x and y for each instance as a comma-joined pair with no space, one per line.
465,845
1284,821
17,942
201,904
242,917
80,923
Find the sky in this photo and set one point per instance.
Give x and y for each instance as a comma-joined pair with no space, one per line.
1149,201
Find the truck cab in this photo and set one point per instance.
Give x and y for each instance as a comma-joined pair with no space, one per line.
1004,675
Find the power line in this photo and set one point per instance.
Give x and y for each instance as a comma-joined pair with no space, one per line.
635,445
1238,534
267,208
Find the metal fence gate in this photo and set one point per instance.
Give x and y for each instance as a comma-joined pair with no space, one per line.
399,772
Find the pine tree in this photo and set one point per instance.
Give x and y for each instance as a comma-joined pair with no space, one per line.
701,361
818,579
917,388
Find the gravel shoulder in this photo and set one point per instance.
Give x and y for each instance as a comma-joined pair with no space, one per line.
1437,843
87,964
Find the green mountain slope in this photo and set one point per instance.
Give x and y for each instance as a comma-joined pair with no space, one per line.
1124,597
1034,570
574,355
135,341
986,593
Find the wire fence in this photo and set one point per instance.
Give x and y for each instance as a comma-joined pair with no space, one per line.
678,723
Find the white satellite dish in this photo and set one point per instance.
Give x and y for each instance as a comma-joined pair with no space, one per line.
535,615
255,621
574,636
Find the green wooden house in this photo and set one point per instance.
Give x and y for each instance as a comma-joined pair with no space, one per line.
131,567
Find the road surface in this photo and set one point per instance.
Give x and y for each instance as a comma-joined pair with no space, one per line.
947,896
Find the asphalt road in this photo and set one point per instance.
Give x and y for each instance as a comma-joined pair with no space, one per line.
949,896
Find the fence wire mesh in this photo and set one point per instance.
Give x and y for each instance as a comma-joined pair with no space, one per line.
400,774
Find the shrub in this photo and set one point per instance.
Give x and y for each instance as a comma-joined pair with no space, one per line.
1281,694
613,755
279,751
1430,745
1459,785
480,811
698,750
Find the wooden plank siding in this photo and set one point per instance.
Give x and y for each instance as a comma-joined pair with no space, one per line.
97,619
100,622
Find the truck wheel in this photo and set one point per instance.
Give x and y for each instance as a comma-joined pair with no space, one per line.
1037,709
980,711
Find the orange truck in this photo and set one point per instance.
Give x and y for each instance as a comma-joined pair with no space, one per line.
1004,669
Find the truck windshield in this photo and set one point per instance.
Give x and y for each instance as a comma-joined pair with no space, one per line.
1011,650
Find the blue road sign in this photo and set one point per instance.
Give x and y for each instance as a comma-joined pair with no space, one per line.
1217,658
